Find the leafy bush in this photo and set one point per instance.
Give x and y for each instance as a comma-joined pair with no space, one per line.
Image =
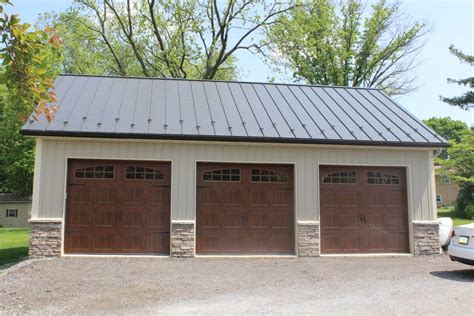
465,202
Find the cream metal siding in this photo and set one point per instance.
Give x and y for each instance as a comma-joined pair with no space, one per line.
24,212
52,154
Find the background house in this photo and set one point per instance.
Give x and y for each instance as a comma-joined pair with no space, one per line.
15,210
446,191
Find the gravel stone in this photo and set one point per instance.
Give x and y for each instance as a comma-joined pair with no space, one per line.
324,285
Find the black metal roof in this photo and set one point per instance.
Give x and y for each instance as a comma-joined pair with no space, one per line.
130,107
14,198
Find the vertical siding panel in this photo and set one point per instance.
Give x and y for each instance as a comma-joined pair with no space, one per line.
58,185
49,187
51,177
37,187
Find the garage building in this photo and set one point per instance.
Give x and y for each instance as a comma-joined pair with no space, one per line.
149,166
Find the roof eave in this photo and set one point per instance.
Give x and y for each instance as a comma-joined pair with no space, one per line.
231,139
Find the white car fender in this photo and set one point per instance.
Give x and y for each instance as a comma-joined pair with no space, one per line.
445,230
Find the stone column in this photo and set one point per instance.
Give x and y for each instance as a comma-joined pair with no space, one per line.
182,239
308,239
45,238
426,238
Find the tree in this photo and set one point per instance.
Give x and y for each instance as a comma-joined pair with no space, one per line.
165,38
448,129
467,99
324,43
26,82
460,167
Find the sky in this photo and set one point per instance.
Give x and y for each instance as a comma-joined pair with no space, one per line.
450,21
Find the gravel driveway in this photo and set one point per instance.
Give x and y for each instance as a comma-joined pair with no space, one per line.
225,285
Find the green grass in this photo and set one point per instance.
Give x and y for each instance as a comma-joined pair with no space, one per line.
13,244
449,212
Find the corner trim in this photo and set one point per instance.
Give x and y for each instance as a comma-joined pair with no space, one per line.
426,222
183,222
45,220
307,222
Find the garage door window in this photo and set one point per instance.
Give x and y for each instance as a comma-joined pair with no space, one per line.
223,175
344,177
269,176
143,173
95,172
374,177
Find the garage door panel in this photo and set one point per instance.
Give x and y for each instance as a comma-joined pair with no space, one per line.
81,218
343,198
271,221
133,219
103,243
157,219
250,212
103,219
81,194
394,199
338,220
104,196
372,200
117,207
270,198
219,197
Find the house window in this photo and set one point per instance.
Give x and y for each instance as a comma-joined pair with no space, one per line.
95,172
12,213
259,175
445,180
374,177
344,177
439,198
143,173
225,175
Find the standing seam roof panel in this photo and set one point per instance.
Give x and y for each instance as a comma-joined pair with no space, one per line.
91,118
302,116
373,120
292,120
249,120
265,122
362,123
188,108
271,110
203,116
127,107
404,127
68,104
220,122
226,99
335,124
173,109
316,116
390,126
83,104
141,113
422,128
158,108
110,109
61,89
131,107
341,114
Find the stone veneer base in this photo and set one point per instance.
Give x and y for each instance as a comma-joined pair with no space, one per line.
426,238
308,239
182,240
45,239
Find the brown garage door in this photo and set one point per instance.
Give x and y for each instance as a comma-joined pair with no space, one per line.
117,207
244,209
363,210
